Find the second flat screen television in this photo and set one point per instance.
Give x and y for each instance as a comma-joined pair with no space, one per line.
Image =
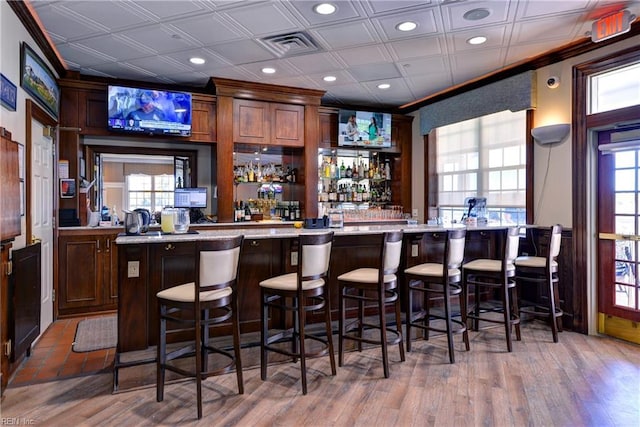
148,111
364,129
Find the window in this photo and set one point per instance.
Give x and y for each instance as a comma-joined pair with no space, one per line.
483,157
151,192
615,89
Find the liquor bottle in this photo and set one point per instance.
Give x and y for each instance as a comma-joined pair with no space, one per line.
387,170
247,212
343,170
349,172
354,170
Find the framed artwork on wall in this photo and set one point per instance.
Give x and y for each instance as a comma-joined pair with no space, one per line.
8,93
38,80
67,188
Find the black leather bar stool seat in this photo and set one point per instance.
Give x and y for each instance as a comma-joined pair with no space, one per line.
212,293
438,280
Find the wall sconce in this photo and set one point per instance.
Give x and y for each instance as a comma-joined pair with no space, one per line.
550,134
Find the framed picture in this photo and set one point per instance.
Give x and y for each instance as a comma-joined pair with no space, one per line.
8,93
67,188
38,81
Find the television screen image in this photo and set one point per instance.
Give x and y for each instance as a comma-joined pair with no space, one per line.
190,197
149,111
364,129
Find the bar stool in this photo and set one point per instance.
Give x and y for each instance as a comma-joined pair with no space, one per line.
307,290
543,271
439,279
358,285
495,275
213,292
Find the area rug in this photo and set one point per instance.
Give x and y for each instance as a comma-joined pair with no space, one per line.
96,333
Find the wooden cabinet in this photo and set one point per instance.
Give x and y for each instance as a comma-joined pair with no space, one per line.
9,187
87,273
328,129
203,119
268,123
4,315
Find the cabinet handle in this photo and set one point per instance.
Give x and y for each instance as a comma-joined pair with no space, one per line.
98,250
169,247
435,235
255,243
108,244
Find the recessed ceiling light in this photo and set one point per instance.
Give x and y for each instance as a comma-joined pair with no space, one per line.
324,9
329,78
477,40
406,26
268,70
197,61
384,86
476,14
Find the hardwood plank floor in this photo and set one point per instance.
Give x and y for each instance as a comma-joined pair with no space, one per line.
581,381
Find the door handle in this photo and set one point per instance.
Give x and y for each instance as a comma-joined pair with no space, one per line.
35,240
614,236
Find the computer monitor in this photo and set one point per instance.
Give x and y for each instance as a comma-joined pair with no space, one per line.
190,197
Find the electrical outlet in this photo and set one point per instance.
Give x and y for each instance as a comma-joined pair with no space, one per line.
294,259
414,213
414,250
133,269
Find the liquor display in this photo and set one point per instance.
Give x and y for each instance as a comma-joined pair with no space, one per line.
353,180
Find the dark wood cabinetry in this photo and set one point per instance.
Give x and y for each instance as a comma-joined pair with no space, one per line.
328,129
87,273
9,187
203,119
268,123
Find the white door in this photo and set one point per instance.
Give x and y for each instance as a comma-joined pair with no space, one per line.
42,214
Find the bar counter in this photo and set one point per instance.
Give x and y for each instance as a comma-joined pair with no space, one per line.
152,262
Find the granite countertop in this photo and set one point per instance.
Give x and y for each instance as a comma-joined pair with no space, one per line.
266,233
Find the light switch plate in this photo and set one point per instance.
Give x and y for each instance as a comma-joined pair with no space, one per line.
294,259
414,250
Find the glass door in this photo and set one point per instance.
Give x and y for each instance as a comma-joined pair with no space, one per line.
619,233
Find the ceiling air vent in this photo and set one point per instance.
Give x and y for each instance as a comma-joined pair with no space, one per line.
290,44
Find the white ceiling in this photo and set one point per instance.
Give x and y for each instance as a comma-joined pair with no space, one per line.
152,41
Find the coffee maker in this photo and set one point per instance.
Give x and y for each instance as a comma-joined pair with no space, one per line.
476,208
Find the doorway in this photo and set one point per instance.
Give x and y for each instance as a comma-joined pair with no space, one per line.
618,246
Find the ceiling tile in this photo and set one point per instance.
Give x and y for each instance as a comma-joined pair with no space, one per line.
546,29
499,12
124,49
465,66
364,55
497,36
263,19
208,29
365,73
383,6
417,66
79,54
347,35
242,52
536,9
161,39
164,9
345,10
315,63
68,26
414,48
425,19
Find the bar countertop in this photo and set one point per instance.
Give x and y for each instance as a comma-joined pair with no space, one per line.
266,233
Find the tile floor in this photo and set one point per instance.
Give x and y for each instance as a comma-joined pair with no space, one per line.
52,358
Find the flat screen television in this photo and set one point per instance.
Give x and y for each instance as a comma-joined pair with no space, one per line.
364,129
190,197
149,111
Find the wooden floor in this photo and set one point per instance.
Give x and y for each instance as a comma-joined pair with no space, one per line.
581,381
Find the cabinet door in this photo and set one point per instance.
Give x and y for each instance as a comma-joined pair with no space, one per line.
251,123
109,263
203,122
287,124
9,188
79,273
328,130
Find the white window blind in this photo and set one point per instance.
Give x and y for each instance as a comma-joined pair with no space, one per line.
483,157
